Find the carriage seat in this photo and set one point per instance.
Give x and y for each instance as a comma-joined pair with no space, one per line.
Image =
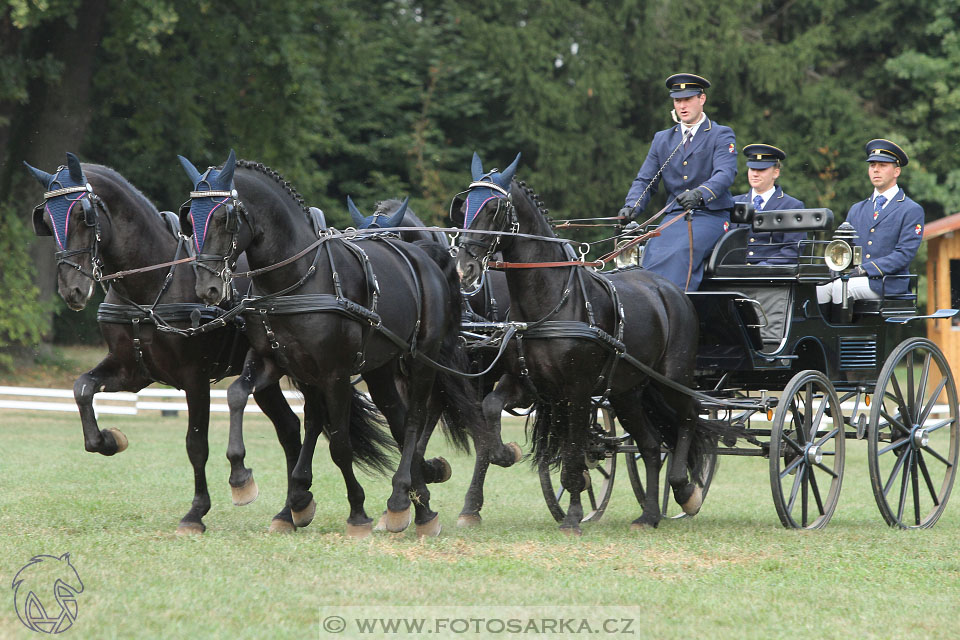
318,220
729,254
890,304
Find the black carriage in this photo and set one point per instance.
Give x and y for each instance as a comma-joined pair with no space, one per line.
799,380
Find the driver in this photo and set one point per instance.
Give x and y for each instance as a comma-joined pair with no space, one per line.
698,160
889,227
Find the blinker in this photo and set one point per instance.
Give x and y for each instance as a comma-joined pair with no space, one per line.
39,226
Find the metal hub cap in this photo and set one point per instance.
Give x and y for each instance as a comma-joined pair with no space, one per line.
813,454
920,437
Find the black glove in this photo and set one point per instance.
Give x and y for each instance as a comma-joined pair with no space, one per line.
627,213
690,199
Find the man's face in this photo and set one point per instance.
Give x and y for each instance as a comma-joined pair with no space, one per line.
689,109
883,175
762,180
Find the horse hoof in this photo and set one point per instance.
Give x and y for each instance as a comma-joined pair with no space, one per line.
639,526
446,470
359,530
396,521
245,493
120,439
692,506
381,523
190,528
587,482
469,520
429,529
305,517
571,531
517,451
279,525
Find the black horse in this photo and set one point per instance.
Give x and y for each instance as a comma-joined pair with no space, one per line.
581,327
102,225
488,303
330,308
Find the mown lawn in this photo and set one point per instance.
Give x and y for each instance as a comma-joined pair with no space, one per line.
730,572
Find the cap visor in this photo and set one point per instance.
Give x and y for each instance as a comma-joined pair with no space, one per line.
760,164
686,93
880,157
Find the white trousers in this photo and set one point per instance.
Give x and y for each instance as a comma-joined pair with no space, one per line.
857,289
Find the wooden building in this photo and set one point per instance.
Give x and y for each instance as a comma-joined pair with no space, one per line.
943,284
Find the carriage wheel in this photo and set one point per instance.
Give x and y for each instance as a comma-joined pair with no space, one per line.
807,446
601,467
913,443
668,506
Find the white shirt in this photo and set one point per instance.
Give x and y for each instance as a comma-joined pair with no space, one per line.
765,196
889,194
692,130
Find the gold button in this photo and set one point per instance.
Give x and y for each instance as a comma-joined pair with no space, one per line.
684,177
872,230
870,242
868,255
750,254
753,239
684,163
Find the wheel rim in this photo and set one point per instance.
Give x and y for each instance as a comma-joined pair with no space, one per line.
807,448
913,443
601,469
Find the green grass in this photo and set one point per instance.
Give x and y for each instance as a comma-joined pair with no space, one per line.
731,572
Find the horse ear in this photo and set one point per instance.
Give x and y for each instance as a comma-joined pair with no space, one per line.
42,177
358,218
507,174
476,167
191,170
225,177
396,220
73,164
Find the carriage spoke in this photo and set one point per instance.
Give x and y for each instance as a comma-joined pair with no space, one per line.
899,395
807,409
911,405
793,491
823,440
915,482
894,422
937,456
790,467
926,476
903,487
941,424
797,420
924,377
899,443
825,468
603,472
816,420
933,400
592,497
793,444
893,473
804,500
816,492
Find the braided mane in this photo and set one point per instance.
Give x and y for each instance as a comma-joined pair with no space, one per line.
534,199
267,171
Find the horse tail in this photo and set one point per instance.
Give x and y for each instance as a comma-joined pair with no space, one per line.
372,446
461,413
545,434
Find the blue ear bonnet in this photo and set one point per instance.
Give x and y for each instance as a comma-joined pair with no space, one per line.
479,195
62,207
201,209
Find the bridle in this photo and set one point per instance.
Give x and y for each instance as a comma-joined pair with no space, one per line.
504,221
235,212
90,205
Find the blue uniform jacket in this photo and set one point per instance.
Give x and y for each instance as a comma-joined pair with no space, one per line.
890,242
710,163
774,247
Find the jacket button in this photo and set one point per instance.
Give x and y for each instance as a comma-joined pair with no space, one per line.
868,255
872,230
870,242
753,239
684,177
750,254
684,163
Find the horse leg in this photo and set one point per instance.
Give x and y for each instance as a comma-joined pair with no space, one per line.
435,470
299,499
359,524
242,485
688,494
631,415
198,450
109,375
573,466
508,394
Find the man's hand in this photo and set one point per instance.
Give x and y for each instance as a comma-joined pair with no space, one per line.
627,213
690,199
858,272
632,228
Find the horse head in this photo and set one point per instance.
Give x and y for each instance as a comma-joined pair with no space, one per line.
381,219
485,205
70,214
214,205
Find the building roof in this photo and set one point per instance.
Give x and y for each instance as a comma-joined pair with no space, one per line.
942,226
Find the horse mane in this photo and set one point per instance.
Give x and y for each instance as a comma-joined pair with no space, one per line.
115,175
530,197
270,173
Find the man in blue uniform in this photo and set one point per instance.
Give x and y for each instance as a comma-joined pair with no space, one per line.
889,227
697,162
763,171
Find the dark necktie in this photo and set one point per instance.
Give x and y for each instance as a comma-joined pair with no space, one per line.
878,205
757,203
686,141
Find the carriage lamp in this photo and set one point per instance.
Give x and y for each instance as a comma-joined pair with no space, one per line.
840,254
630,257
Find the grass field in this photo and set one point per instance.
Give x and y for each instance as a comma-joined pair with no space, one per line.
731,572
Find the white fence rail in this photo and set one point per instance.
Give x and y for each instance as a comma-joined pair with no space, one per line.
123,403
